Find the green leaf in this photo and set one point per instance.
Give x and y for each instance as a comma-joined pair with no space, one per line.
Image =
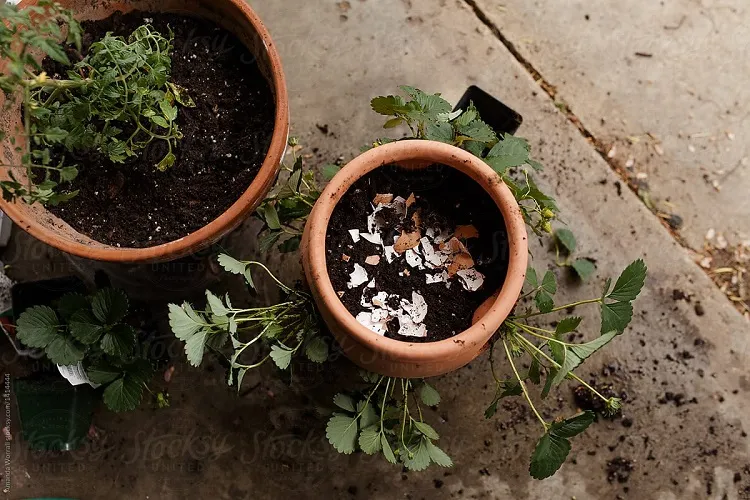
329,171
214,302
387,450
584,268
504,390
551,372
438,456
85,327
267,242
341,432
160,121
388,105
290,244
37,326
426,430
281,356
566,238
181,95
232,265
102,372
109,305
441,132
535,372
194,347
549,283
119,341
420,458
344,402
393,122
272,217
68,174
70,303
124,394
480,131
170,112
567,325
549,455
544,301
316,350
55,135
577,354
429,395
64,351
630,282
616,316
368,416
531,277
510,152
166,163
184,321
572,426
369,440
607,285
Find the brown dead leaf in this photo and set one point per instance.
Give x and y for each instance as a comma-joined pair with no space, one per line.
455,246
411,200
417,219
466,232
373,260
382,198
407,241
461,261
345,257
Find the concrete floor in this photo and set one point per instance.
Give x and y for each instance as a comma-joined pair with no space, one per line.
270,443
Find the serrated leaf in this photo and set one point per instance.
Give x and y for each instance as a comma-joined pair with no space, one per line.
369,440
420,458
426,430
544,301
572,426
567,325
607,285
344,402
316,350
388,105
37,326
566,239
616,316
549,283
551,372
387,450
429,395
535,372
584,268
124,394
184,321
329,171
281,356
267,241
438,456
341,432
549,455
103,372
367,414
480,131
195,346
577,354
160,121
510,152
119,341
109,305
630,282
441,132
85,327
214,302
271,217
531,277
64,351
70,303
68,174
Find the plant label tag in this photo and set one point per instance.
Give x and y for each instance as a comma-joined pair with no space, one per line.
75,374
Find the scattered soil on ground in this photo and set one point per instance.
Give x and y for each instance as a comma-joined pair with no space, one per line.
445,198
226,137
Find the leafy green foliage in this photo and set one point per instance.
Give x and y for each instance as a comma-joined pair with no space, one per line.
565,246
91,331
381,419
277,333
117,100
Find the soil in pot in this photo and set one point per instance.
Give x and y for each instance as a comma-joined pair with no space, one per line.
226,138
412,254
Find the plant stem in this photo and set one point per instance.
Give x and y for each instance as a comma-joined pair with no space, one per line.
523,386
559,308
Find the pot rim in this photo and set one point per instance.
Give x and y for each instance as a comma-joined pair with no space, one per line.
436,152
224,223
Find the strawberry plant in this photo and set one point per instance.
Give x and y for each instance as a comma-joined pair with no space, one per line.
115,101
90,333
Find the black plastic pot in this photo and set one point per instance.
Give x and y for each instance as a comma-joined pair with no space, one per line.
54,415
496,114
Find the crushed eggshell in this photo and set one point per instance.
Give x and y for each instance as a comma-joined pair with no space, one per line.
432,258
357,277
355,235
366,318
437,278
409,328
375,238
413,259
460,262
417,308
371,284
407,241
380,299
382,199
389,253
471,279
466,232
373,260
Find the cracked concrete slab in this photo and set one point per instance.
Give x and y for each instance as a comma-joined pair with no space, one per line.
672,69
270,442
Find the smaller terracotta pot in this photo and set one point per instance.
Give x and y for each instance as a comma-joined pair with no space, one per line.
393,357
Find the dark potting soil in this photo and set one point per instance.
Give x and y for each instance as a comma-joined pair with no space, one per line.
226,138
445,199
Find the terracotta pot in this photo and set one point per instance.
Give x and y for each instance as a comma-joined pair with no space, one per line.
393,357
237,17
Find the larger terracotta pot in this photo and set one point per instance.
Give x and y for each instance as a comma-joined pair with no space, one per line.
393,357
237,17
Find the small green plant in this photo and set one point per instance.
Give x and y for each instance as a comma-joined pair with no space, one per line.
387,417
90,333
565,246
282,331
115,101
